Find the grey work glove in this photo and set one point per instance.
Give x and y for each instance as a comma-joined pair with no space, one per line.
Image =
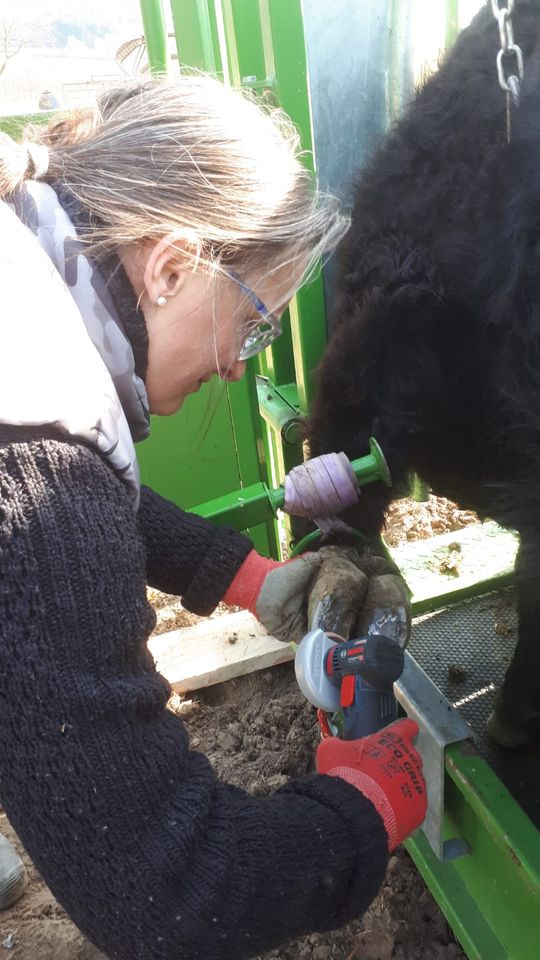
282,602
357,592
276,593
337,588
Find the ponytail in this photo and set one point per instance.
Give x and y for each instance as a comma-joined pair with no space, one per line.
21,161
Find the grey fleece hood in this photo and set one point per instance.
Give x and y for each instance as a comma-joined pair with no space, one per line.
65,359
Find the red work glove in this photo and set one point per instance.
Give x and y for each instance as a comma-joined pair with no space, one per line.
276,593
387,769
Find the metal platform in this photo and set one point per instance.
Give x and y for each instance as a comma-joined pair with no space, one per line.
465,648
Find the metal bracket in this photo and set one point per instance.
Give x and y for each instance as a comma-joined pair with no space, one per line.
279,413
440,725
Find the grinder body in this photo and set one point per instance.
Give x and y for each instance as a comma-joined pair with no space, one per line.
350,681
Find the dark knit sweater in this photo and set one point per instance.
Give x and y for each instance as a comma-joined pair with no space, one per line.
148,852
151,855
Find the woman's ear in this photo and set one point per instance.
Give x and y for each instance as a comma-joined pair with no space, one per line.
167,263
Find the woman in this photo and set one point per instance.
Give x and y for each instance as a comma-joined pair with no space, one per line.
148,245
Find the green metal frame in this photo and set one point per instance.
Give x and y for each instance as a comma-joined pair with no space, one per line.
491,896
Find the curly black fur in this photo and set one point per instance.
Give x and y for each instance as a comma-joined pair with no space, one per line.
435,343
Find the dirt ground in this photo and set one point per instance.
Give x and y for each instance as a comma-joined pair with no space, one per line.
259,731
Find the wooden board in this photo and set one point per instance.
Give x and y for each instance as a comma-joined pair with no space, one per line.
450,565
216,650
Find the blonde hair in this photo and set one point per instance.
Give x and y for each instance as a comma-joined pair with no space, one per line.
155,156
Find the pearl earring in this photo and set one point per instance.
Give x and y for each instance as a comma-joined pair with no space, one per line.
161,301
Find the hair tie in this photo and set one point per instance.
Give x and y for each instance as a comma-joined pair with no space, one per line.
39,158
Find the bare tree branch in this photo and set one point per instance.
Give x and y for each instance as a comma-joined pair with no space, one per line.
14,36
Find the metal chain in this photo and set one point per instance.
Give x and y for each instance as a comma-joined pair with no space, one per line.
509,82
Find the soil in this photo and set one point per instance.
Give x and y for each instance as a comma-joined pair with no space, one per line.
259,731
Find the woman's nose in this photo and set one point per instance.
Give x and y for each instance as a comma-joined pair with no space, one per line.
234,372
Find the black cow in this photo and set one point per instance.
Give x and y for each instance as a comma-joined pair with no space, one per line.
435,334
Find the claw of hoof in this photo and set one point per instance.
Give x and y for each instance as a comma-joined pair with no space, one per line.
505,732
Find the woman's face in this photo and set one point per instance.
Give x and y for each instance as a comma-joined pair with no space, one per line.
199,332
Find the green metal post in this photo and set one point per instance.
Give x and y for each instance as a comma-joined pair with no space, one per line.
155,33
243,39
283,29
197,34
277,364
254,33
251,454
280,415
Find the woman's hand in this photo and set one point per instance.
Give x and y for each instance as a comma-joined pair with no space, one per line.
276,593
385,768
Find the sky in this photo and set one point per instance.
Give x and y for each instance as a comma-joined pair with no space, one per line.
105,11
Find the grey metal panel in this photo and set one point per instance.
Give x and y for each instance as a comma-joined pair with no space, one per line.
360,73
348,49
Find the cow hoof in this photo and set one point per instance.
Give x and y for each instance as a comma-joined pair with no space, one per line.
13,878
506,731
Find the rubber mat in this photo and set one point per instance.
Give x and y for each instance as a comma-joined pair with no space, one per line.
465,649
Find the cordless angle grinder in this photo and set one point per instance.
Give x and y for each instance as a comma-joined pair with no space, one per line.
350,681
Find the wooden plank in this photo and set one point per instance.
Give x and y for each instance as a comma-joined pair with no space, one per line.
216,650
450,563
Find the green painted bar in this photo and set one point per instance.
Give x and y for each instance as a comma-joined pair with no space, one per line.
155,33
490,804
308,322
197,35
418,488
283,25
456,902
250,451
243,39
251,42
244,508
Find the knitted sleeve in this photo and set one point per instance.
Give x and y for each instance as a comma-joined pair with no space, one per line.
148,852
188,555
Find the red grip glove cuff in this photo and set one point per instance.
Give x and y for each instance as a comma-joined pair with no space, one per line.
387,769
244,590
373,792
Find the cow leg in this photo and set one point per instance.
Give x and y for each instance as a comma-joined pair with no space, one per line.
518,705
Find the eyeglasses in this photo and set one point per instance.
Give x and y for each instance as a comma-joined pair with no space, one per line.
260,334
